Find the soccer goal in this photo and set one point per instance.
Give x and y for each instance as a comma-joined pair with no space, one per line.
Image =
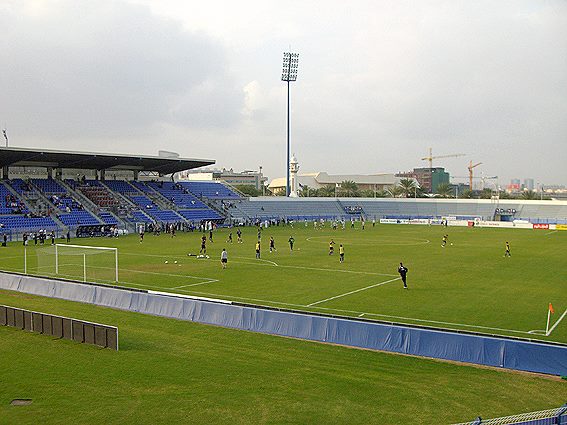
80,262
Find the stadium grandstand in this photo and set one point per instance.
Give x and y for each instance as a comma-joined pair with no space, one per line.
48,190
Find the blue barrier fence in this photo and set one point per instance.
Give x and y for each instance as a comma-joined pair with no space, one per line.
499,352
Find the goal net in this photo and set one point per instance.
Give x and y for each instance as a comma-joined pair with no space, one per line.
77,262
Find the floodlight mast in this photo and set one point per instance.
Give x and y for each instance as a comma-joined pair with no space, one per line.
289,74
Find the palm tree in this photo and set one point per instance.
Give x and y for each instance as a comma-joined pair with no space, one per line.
349,188
408,187
327,191
466,194
248,190
486,193
368,193
307,191
529,194
444,190
394,192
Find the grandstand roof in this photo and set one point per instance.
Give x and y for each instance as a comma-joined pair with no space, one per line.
23,157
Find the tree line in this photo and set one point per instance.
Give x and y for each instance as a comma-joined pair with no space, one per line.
406,188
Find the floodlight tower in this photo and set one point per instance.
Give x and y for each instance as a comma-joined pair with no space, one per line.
289,74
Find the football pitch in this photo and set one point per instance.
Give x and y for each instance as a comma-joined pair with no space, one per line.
467,285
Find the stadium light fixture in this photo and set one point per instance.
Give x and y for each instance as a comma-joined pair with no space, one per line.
289,74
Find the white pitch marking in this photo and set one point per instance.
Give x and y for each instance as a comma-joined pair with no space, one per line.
258,259
556,323
367,314
352,292
155,273
14,256
345,311
153,255
337,270
313,268
414,242
195,284
326,308
254,261
552,232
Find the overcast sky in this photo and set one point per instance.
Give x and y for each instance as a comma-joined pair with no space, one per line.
379,82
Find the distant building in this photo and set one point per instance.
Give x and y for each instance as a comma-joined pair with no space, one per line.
428,178
515,186
375,182
234,178
529,184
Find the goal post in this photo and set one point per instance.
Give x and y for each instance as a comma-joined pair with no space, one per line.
94,263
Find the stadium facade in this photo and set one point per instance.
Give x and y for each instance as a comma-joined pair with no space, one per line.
317,180
68,191
429,179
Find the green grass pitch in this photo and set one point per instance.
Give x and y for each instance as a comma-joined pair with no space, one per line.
170,371
467,285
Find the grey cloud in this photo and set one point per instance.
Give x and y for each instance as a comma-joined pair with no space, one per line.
110,69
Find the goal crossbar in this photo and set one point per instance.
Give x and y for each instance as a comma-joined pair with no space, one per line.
94,248
86,247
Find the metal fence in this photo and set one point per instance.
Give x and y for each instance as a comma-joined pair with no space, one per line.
60,327
543,417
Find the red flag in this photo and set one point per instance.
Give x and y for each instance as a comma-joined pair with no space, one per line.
551,310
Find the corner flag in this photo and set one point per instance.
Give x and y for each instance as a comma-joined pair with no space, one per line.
551,310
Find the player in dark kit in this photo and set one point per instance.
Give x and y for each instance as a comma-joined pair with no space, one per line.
402,270
291,241
239,236
507,252
444,242
203,245
331,247
272,244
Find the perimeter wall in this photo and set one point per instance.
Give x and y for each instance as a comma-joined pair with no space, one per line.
483,350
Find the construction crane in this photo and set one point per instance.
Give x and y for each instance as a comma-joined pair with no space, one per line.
470,167
430,158
481,178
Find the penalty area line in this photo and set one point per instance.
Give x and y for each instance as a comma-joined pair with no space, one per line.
258,262
255,261
352,292
196,284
